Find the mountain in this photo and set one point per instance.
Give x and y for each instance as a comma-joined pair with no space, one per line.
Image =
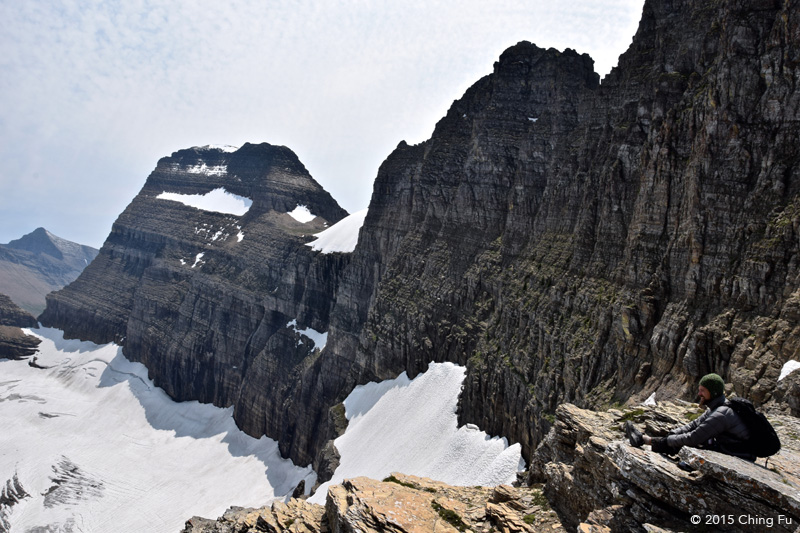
570,241
564,239
215,301
38,263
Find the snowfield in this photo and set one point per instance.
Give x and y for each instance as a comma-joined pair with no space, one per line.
98,448
219,200
94,446
342,236
410,426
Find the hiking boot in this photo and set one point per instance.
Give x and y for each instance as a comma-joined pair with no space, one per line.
633,434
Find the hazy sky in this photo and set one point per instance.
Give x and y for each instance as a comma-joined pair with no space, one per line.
93,93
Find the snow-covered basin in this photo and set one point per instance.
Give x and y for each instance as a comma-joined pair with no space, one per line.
99,448
410,426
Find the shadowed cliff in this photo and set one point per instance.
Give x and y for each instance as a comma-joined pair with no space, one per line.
570,241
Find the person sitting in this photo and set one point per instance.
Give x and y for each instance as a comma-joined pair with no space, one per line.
719,429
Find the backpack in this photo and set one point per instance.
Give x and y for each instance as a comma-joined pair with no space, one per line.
763,440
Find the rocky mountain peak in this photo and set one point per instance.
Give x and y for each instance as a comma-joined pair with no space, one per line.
38,241
38,263
525,56
41,241
271,176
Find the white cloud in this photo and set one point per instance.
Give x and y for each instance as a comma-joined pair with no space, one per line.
94,93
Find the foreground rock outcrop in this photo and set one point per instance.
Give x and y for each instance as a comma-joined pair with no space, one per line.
14,343
399,503
594,479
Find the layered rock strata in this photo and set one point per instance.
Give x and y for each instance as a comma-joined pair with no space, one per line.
14,343
400,503
214,301
570,241
596,480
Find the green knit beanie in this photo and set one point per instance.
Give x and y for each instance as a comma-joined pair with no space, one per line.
714,384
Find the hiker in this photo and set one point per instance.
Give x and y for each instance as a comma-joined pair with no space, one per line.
719,429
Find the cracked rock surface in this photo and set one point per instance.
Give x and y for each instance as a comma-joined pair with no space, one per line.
594,479
401,504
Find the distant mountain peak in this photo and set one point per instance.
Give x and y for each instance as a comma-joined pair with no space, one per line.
38,263
40,241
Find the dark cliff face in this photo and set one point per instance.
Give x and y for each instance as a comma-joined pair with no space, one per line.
575,242
212,327
14,344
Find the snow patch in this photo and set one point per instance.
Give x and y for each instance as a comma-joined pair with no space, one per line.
342,236
302,214
198,259
411,426
94,442
219,200
532,119
240,236
651,401
320,339
219,147
788,368
216,170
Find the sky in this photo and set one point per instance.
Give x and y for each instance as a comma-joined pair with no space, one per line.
94,93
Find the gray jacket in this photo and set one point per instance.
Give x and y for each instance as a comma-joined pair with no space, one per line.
719,422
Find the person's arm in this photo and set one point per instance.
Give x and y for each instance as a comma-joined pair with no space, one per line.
691,426
707,427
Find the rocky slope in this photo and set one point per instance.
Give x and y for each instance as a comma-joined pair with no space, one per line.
38,263
399,503
596,480
14,344
566,240
593,479
205,299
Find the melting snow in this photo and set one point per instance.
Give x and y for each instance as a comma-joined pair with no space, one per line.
127,458
221,147
240,236
320,339
302,214
342,236
410,426
197,258
651,401
219,200
788,368
217,170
